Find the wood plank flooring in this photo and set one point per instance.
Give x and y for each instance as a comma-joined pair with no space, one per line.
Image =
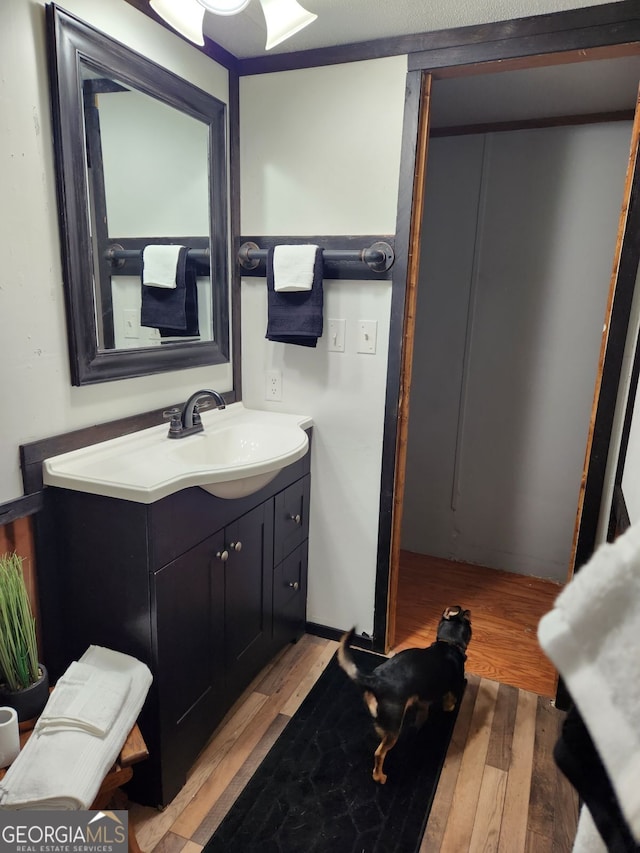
499,789
505,611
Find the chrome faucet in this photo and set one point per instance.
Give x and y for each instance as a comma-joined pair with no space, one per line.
188,421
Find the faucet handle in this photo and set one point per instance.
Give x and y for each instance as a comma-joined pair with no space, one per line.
176,419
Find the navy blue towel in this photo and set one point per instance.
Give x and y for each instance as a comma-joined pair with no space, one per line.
173,311
295,317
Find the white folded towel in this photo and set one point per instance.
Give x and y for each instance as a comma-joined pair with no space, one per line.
65,769
293,268
159,266
591,635
85,698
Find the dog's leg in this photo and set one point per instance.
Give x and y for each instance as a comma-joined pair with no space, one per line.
388,741
421,714
449,701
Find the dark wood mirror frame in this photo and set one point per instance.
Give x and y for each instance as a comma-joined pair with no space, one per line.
70,41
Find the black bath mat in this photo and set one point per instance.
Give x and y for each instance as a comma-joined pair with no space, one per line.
313,793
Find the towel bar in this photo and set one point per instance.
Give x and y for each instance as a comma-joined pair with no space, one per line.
117,256
378,257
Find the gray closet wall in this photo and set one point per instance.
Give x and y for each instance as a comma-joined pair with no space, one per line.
518,241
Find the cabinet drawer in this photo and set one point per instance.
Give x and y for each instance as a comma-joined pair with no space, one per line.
290,597
291,518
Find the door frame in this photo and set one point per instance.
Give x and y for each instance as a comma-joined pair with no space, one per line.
607,31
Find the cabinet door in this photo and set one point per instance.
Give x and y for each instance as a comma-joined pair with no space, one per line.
291,518
189,640
248,589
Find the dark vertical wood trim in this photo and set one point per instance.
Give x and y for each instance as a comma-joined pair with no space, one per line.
628,415
410,303
623,281
394,366
235,217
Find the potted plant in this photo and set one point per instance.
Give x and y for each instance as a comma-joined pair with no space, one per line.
24,682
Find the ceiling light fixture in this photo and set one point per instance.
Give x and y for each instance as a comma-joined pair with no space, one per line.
284,19
224,7
185,16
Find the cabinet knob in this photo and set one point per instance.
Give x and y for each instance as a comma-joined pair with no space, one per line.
296,518
293,584
223,555
236,546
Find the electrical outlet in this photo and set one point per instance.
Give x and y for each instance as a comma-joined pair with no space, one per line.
273,390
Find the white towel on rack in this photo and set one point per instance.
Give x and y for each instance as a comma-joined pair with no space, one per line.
591,635
159,266
293,268
85,698
65,769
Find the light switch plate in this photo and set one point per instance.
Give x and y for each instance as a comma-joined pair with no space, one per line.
130,322
367,335
336,335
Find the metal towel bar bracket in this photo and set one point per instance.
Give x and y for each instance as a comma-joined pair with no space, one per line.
379,256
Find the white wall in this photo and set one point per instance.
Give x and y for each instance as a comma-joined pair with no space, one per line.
518,243
37,395
320,154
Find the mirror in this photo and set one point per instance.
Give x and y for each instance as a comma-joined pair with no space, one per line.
140,162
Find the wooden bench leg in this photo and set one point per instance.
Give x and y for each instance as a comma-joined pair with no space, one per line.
117,799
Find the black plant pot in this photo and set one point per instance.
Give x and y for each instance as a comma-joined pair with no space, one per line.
30,701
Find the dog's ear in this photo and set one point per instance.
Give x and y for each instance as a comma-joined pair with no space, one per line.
466,614
451,611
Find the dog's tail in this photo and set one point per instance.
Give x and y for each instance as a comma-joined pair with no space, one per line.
345,658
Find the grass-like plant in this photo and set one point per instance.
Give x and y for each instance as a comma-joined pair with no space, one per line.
18,648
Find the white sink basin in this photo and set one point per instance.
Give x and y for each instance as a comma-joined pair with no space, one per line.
238,453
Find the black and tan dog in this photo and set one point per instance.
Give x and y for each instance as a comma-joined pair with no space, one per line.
414,677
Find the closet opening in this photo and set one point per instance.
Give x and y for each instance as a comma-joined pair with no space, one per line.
517,227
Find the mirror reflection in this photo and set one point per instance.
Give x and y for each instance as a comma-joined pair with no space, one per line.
148,182
141,168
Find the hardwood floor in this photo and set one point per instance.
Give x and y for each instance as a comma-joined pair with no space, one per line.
499,789
505,611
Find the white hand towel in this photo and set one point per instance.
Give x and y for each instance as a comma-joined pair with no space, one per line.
159,266
293,268
65,770
591,635
85,698
588,839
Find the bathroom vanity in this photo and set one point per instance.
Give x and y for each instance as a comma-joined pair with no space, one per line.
205,590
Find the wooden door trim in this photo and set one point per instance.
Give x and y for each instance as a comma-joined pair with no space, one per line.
614,336
403,249
406,359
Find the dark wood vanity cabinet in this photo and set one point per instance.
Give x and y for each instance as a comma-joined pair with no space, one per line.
205,591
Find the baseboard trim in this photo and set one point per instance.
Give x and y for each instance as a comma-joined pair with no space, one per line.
327,633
